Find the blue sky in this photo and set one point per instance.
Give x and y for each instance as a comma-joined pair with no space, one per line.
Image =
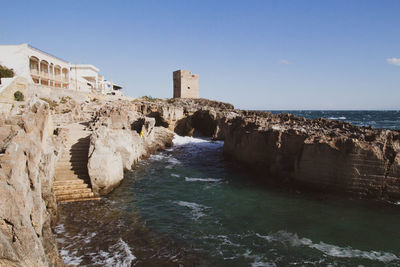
254,54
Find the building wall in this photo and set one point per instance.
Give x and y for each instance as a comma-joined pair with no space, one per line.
17,57
84,78
186,84
16,84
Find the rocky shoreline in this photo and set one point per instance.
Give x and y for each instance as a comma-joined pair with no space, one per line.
326,155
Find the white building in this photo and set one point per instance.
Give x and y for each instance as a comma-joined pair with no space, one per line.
45,69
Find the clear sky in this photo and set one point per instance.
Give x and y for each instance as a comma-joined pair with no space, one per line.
254,54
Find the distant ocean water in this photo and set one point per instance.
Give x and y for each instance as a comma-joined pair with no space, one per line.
381,119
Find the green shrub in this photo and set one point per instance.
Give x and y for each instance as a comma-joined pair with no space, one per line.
149,98
6,72
64,99
52,104
19,96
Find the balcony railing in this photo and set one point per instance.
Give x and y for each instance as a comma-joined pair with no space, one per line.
44,74
35,72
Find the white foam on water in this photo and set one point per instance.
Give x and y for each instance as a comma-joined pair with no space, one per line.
223,240
262,264
337,118
175,175
59,229
188,179
119,255
173,161
257,260
183,140
158,156
196,209
70,258
328,249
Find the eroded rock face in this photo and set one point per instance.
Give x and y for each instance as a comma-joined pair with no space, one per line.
28,208
322,154
121,137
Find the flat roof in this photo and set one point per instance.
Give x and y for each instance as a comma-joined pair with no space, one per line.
41,51
84,66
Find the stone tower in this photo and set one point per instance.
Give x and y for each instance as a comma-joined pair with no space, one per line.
186,84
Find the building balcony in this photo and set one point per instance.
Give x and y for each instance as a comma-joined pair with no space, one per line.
44,74
35,72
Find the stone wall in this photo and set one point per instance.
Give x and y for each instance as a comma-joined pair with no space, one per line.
186,84
17,84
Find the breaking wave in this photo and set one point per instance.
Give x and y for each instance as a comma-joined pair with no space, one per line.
188,179
119,255
196,209
337,118
184,140
328,249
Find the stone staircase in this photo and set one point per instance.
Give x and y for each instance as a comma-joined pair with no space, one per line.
72,182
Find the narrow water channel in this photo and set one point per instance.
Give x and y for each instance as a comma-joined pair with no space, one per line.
190,206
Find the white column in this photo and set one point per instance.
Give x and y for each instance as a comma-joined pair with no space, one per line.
52,74
48,74
69,78
40,79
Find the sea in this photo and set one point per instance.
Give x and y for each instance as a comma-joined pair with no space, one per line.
189,206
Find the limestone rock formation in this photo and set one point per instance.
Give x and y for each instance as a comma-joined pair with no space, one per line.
121,137
28,152
322,154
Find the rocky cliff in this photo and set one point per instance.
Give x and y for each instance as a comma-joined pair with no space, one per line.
321,154
121,136
28,152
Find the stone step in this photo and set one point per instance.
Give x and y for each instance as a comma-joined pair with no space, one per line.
80,143
76,156
68,170
66,160
80,199
71,160
68,182
70,187
72,181
74,196
68,177
72,190
66,173
80,146
74,169
74,166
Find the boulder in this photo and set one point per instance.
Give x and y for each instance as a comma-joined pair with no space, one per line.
118,142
